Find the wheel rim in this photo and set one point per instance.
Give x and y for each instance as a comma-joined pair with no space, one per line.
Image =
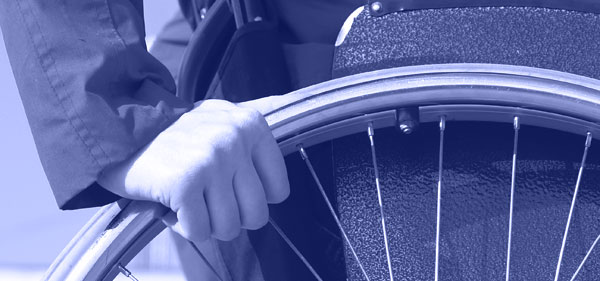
488,85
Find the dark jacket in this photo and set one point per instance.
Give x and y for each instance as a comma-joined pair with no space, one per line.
93,94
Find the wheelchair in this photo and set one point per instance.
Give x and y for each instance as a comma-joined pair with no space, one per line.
455,143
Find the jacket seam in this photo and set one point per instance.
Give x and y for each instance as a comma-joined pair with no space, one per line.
50,66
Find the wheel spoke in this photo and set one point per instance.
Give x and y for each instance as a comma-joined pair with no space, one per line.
294,248
588,143
516,126
439,197
371,133
331,210
585,258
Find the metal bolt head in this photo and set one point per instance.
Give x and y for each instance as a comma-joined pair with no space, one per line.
376,6
406,128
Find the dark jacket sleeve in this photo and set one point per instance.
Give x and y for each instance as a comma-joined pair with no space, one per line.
92,93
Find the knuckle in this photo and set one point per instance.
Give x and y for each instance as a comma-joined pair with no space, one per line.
219,151
231,129
259,120
254,114
239,129
249,117
251,125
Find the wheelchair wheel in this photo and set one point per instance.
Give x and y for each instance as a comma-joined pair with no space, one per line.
432,208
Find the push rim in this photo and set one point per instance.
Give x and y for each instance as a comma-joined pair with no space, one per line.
344,106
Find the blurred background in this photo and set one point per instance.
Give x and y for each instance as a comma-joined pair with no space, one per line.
33,230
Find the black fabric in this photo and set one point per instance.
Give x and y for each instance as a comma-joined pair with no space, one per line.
309,63
253,65
307,30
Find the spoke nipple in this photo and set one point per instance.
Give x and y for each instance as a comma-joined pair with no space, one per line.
516,123
124,270
442,122
370,129
588,140
302,152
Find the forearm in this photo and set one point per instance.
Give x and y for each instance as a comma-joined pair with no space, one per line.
92,93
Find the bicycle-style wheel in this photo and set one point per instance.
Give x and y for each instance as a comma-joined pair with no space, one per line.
432,207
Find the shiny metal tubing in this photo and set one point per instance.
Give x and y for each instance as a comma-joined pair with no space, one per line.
126,272
588,143
294,248
304,156
585,258
371,133
439,197
516,126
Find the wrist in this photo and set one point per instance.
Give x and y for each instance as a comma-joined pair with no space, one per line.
124,180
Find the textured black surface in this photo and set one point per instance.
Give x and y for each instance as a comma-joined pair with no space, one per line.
389,6
537,37
475,203
476,188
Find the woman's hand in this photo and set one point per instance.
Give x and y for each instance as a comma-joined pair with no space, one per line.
216,168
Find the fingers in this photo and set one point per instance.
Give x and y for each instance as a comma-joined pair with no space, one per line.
223,211
226,209
266,156
270,167
191,222
251,199
237,166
